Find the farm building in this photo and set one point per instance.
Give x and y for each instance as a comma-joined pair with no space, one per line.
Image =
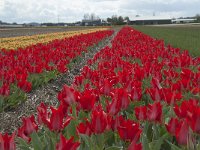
183,20
150,20
91,22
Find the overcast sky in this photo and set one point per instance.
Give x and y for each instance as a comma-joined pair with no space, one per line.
23,11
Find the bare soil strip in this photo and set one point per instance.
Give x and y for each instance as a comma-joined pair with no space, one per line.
11,120
15,32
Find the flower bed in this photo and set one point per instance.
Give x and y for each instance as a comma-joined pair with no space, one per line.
24,41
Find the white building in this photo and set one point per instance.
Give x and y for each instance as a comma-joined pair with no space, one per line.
184,20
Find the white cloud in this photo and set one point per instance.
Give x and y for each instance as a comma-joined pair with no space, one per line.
73,10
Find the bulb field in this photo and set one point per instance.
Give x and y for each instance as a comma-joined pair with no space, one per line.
135,93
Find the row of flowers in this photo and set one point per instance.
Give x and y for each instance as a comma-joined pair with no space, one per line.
137,94
24,41
28,68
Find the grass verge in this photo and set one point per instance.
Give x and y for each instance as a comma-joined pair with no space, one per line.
186,37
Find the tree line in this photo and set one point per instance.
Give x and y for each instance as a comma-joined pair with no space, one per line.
118,20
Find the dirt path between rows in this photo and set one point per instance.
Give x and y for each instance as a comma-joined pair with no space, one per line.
11,120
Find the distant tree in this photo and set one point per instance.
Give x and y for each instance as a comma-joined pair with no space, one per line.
127,18
120,20
114,19
109,20
197,17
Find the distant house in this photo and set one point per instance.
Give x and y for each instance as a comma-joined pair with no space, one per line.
150,20
182,20
96,22
79,23
33,24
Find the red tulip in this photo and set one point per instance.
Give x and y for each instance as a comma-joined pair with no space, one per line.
25,86
141,112
68,95
114,107
194,119
134,145
182,133
136,93
154,112
99,120
5,90
87,100
42,113
106,87
62,68
186,108
84,128
155,93
171,96
29,126
129,130
65,144
172,126
156,83
56,119
122,97
115,122
7,142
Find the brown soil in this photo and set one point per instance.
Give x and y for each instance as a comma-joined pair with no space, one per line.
14,32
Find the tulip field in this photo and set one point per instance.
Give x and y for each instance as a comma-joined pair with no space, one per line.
24,41
135,94
27,68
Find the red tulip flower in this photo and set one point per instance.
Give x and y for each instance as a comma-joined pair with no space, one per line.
106,87
154,112
87,100
172,126
29,126
68,95
141,113
99,120
136,93
182,133
42,113
54,120
186,108
7,142
128,130
194,119
5,90
25,85
84,128
65,144
155,94
134,145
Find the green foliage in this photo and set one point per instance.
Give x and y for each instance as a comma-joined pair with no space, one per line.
41,79
16,97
